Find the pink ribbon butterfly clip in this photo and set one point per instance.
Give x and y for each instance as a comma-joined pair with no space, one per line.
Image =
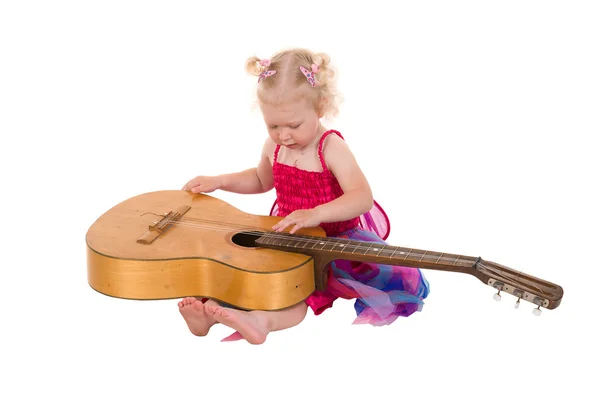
310,76
266,74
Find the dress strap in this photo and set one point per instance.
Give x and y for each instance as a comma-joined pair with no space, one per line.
321,146
276,153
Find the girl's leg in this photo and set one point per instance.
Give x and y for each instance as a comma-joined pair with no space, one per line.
286,318
254,326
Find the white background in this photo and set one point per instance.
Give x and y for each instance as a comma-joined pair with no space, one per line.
472,120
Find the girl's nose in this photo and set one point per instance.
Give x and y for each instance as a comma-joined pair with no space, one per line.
284,135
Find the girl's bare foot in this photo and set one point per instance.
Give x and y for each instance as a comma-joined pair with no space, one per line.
253,326
195,315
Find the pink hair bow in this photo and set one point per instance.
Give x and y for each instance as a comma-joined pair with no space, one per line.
310,75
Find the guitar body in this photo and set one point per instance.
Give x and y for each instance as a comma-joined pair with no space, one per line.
204,253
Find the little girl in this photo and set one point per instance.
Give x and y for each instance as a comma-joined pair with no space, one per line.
318,183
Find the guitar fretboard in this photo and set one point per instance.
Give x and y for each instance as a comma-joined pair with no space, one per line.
311,244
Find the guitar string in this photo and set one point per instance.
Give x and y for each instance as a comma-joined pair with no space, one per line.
222,226
297,238
307,239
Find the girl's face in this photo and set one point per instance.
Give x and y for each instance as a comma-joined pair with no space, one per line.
293,124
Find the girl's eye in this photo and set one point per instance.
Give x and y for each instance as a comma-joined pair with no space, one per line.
296,126
272,127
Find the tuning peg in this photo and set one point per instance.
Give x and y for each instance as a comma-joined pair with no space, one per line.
537,311
498,285
517,303
497,296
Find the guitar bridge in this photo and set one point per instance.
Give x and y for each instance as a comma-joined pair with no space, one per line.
155,229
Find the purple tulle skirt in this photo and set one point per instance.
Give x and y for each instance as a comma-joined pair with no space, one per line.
382,292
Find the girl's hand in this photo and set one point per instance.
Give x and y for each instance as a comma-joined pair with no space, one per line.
300,219
203,184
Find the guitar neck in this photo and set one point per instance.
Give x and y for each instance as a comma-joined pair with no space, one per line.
330,248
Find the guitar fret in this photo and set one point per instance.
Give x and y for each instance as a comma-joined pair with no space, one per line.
332,247
269,238
361,248
370,249
322,244
344,247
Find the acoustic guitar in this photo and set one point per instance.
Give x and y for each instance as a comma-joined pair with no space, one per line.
172,244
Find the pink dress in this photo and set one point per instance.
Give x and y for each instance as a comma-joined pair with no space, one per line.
382,292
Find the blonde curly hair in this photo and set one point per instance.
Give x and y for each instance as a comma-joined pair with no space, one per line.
290,84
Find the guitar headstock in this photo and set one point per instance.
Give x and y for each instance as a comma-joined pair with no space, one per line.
525,287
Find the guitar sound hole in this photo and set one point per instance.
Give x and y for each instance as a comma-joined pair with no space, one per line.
246,239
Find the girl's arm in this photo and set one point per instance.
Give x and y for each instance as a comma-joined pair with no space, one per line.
254,180
357,198
251,181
